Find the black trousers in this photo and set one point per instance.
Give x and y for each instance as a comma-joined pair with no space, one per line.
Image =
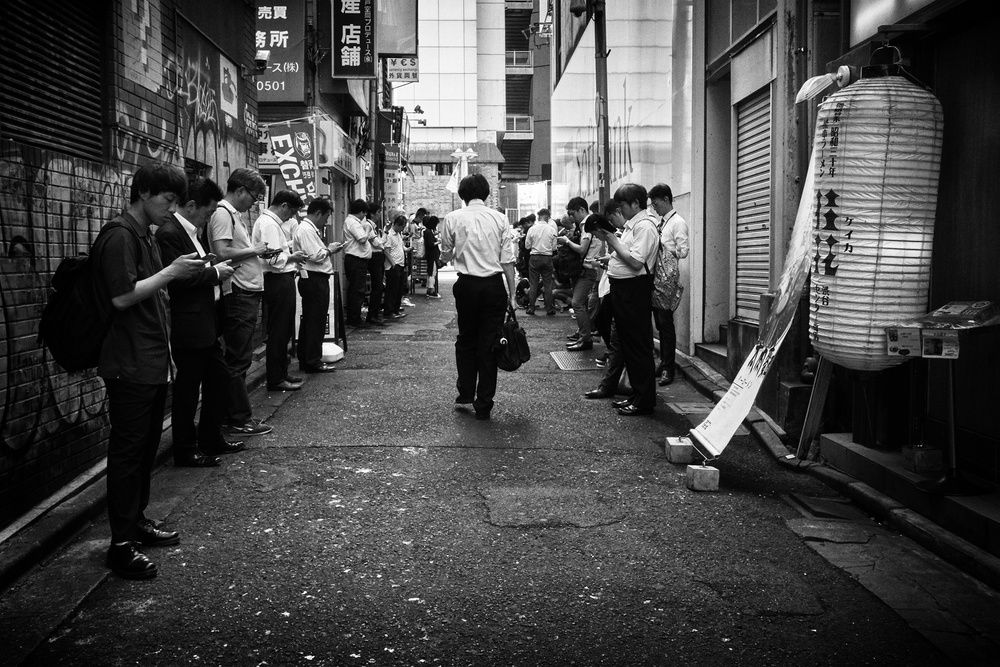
376,269
668,336
631,303
136,415
395,281
200,370
315,293
481,304
355,272
279,300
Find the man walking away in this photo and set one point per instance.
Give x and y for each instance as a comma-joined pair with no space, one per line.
481,243
135,358
540,241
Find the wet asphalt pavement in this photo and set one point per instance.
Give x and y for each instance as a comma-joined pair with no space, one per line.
376,525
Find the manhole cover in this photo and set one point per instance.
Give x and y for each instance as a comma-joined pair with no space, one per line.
691,408
575,361
549,507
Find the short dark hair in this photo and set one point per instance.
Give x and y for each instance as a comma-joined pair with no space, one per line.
290,197
431,222
474,186
245,178
157,177
531,217
523,221
358,206
576,203
631,193
320,205
595,206
202,191
420,211
544,211
399,220
661,191
374,207
611,208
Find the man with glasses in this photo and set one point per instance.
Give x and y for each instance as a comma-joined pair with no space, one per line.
241,295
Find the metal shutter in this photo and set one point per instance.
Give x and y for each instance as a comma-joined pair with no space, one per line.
50,72
753,203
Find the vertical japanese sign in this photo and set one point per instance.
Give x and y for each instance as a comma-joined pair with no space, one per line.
393,182
281,31
352,38
294,147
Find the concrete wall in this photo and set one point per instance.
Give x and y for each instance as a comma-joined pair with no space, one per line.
162,103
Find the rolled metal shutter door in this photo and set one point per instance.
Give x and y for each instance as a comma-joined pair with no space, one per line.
753,203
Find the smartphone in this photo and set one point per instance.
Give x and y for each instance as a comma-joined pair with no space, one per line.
211,258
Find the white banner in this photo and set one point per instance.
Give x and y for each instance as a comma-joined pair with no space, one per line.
712,435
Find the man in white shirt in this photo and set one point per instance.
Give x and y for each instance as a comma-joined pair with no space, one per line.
241,295
314,284
395,277
629,270
540,242
279,286
674,239
376,266
481,243
357,252
590,248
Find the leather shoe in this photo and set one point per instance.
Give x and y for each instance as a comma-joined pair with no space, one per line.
196,461
151,536
294,379
284,386
622,403
579,346
573,337
631,410
322,368
462,400
598,393
667,377
226,447
126,560
482,416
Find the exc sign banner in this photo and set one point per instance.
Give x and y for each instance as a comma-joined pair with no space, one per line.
281,30
293,145
352,39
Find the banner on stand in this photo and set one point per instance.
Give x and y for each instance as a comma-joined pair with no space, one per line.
293,145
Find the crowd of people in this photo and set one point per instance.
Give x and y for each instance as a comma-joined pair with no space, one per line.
603,263
186,277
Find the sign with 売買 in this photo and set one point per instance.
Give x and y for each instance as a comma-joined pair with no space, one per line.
281,32
402,69
352,39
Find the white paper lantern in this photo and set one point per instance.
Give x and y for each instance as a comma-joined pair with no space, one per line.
878,155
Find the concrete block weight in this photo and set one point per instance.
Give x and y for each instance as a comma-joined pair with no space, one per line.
702,478
679,450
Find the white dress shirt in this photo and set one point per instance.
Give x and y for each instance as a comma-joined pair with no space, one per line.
641,240
480,238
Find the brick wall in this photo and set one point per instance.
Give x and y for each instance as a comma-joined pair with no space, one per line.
429,191
161,104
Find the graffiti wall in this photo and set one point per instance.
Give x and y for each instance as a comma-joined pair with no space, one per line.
174,97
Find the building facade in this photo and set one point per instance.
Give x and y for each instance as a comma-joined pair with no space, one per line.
91,92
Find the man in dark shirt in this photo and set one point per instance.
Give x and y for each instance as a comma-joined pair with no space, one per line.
135,358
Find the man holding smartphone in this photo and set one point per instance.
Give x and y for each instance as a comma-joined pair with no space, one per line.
194,334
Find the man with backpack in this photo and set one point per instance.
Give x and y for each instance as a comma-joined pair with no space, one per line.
673,239
587,249
135,357
242,294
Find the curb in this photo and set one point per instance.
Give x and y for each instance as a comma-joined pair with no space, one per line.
56,525
964,555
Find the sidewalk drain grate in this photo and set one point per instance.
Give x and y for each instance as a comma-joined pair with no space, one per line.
574,361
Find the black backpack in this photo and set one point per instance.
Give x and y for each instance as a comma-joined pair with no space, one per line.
76,319
569,263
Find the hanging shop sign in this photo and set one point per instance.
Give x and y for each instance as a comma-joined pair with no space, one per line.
352,39
281,34
393,178
402,69
335,149
293,147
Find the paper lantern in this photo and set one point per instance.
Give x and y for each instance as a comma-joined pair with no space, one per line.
877,158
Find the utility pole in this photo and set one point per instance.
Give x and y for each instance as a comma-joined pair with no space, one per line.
601,65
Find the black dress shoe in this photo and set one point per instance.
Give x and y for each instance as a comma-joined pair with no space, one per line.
226,447
622,403
482,416
322,368
573,337
633,411
294,379
667,377
598,393
462,400
580,346
196,461
284,386
126,560
151,536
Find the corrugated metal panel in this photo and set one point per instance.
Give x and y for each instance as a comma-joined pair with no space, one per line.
516,20
50,72
753,203
517,159
519,95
